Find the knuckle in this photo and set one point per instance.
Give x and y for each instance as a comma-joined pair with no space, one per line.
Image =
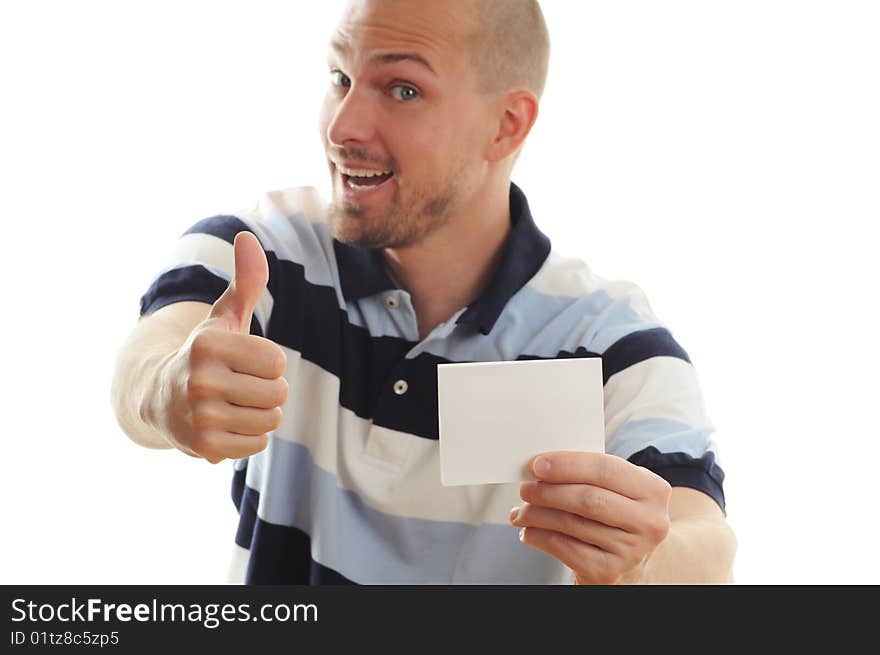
276,417
268,355
197,443
604,472
259,444
592,502
664,489
660,528
572,524
281,391
206,447
555,540
528,491
283,358
203,416
629,540
278,362
198,387
204,345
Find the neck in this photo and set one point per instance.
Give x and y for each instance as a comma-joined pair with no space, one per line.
449,268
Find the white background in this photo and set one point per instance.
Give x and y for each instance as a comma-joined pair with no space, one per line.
725,156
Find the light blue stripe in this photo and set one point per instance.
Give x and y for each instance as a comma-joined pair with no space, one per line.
380,320
666,435
541,324
371,547
533,322
297,239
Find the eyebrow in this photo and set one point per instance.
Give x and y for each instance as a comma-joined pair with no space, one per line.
387,58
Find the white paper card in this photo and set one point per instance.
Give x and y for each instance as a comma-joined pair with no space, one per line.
495,416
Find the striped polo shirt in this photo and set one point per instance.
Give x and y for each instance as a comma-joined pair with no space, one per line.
348,490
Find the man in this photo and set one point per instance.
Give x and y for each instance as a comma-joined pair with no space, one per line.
426,254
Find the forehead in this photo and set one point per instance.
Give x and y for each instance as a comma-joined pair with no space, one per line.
437,29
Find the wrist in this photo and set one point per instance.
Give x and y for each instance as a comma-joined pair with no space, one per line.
156,397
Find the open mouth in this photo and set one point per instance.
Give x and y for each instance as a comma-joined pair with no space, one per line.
360,178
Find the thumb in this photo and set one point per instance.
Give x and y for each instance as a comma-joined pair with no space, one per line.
236,305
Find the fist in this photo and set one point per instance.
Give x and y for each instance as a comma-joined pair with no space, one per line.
224,387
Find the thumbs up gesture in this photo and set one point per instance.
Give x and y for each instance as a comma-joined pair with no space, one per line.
224,386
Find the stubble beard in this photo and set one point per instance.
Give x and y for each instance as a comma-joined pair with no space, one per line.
406,222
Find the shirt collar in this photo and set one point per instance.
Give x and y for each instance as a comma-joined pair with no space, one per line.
362,271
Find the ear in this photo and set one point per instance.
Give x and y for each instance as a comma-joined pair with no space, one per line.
517,112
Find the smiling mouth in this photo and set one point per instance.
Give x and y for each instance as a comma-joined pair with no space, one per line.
361,178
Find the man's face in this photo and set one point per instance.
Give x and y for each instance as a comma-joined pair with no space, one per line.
403,124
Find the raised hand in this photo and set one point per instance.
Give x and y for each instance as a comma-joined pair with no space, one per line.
222,391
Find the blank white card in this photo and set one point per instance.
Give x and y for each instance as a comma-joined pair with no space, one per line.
496,416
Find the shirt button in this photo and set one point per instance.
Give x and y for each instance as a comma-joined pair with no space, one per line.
400,387
392,302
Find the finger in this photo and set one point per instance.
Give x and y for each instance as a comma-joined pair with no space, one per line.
589,563
599,469
248,354
219,445
587,501
237,303
608,538
232,418
252,391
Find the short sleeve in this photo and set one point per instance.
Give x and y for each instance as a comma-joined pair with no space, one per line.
654,410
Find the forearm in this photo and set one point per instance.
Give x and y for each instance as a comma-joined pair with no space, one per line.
140,382
136,389
698,550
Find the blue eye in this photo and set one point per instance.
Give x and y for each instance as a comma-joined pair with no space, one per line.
404,92
338,78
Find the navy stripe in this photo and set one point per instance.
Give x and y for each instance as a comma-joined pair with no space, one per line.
238,478
187,283
368,366
682,470
632,349
361,271
637,347
307,318
522,256
278,554
222,226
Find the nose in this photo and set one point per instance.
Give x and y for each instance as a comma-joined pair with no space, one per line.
352,119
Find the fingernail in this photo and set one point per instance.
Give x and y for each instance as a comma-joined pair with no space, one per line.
542,466
522,534
514,514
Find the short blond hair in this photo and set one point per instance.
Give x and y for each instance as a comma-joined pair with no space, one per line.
510,45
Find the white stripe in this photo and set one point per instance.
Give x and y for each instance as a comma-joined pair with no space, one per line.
238,563
665,435
393,472
217,255
305,199
659,387
572,277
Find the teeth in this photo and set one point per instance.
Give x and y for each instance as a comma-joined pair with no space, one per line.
360,172
359,187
